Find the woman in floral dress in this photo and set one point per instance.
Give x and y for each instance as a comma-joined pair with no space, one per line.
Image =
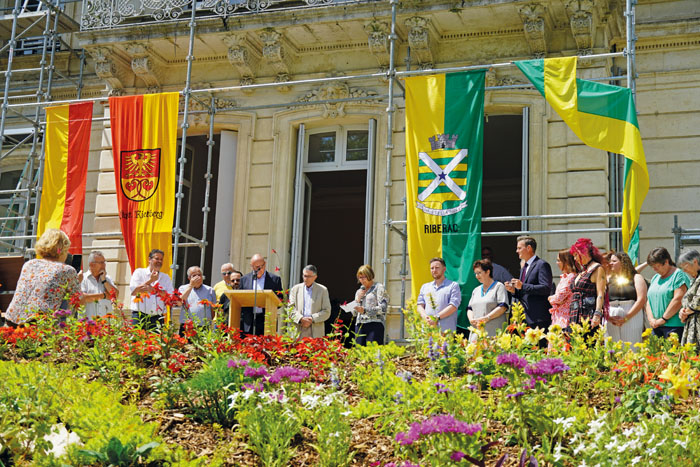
561,300
44,283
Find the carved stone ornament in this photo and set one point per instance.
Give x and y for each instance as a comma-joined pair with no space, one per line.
244,57
201,117
336,90
108,68
378,41
582,21
535,28
143,66
274,54
419,41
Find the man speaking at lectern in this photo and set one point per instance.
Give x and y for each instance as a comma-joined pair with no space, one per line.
253,319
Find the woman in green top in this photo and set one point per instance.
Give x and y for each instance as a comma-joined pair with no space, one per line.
665,294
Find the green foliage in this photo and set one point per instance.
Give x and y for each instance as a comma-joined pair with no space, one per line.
117,454
334,436
34,397
270,426
206,394
368,353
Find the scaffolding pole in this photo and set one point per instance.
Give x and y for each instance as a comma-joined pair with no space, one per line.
177,231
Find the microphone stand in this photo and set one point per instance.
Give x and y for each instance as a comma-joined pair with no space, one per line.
255,300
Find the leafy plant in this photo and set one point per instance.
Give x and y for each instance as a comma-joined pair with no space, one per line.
117,454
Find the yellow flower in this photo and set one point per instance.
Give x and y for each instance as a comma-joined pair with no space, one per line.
505,341
647,332
533,336
682,382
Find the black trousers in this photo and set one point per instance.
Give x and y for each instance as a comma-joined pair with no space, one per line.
369,332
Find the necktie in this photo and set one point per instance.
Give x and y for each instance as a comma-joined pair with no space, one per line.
523,272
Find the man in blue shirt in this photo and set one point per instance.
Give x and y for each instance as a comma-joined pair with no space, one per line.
439,300
193,294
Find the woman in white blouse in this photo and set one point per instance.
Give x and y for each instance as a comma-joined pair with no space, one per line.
489,301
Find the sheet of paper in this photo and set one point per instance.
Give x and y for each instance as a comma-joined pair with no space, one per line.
350,307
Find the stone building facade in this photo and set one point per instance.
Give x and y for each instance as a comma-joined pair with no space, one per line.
340,193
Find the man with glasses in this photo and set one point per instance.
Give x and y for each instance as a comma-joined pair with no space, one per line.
253,319
231,280
193,294
147,308
97,287
311,305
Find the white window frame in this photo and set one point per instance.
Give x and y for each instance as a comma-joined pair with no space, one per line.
341,140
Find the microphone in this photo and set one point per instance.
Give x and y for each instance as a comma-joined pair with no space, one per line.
362,287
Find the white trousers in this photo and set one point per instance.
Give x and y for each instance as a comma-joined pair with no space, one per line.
632,330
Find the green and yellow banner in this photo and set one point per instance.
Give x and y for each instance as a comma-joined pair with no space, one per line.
65,171
144,147
604,117
444,147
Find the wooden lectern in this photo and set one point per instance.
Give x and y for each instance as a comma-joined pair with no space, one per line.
242,298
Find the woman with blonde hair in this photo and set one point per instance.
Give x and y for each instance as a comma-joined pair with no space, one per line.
372,301
627,291
45,282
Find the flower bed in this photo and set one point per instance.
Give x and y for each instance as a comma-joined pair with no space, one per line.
85,392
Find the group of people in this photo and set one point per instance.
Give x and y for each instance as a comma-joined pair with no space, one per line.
600,289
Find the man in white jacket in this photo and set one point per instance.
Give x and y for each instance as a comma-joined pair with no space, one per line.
311,304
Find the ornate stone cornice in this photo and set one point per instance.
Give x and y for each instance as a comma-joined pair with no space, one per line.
378,41
143,65
535,27
244,56
419,41
109,67
274,53
583,24
335,90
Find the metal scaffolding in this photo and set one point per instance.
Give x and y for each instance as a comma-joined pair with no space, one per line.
21,238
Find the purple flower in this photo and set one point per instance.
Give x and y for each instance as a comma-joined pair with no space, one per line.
442,389
435,425
407,376
516,395
530,384
547,366
257,387
617,370
294,375
47,354
252,372
457,456
474,372
62,324
617,400
397,398
432,354
511,359
472,387
237,363
499,382
444,348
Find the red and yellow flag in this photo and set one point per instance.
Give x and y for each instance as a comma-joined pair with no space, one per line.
144,146
65,171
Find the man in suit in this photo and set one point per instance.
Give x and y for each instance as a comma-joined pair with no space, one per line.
253,318
311,304
534,285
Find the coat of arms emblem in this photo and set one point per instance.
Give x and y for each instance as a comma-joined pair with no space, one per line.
442,177
140,173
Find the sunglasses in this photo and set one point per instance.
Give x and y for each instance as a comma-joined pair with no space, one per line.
227,273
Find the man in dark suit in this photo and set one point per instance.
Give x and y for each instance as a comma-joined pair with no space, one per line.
253,319
534,285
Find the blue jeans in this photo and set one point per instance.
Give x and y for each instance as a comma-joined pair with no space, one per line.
369,332
665,331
